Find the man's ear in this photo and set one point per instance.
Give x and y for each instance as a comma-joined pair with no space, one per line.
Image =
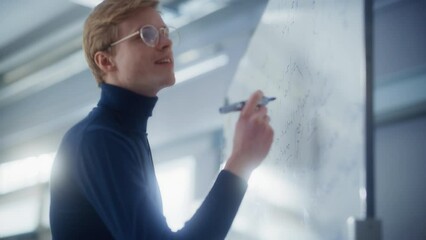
104,61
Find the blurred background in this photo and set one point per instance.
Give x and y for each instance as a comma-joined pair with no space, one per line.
46,87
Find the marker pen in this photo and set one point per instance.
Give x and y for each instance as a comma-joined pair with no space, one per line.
239,105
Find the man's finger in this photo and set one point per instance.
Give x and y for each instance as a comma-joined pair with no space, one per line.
251,104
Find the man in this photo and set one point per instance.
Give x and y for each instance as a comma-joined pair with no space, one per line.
103,181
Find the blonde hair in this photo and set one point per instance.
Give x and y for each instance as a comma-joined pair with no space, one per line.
101,27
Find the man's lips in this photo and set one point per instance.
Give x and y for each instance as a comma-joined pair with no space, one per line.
165,60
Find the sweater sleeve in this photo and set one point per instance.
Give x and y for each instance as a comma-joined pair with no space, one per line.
110,178
214,217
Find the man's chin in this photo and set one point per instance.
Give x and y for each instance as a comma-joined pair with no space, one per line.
171,81
168,82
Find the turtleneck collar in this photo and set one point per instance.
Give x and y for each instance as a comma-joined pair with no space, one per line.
132,109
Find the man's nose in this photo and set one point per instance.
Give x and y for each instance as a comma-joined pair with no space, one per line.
164,43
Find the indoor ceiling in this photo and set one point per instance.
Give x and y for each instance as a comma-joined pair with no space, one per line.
36,34
45,85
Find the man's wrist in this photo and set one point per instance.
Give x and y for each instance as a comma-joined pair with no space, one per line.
233,165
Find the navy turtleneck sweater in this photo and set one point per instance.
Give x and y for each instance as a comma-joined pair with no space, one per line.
103,183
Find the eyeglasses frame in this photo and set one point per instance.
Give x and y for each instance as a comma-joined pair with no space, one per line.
161,31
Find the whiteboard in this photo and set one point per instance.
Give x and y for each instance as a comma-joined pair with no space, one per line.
310,55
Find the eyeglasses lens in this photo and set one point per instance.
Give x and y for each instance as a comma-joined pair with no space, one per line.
149,35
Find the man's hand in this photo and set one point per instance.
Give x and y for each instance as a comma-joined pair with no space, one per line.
252,139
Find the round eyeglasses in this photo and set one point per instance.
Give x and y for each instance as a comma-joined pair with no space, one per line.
150,35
